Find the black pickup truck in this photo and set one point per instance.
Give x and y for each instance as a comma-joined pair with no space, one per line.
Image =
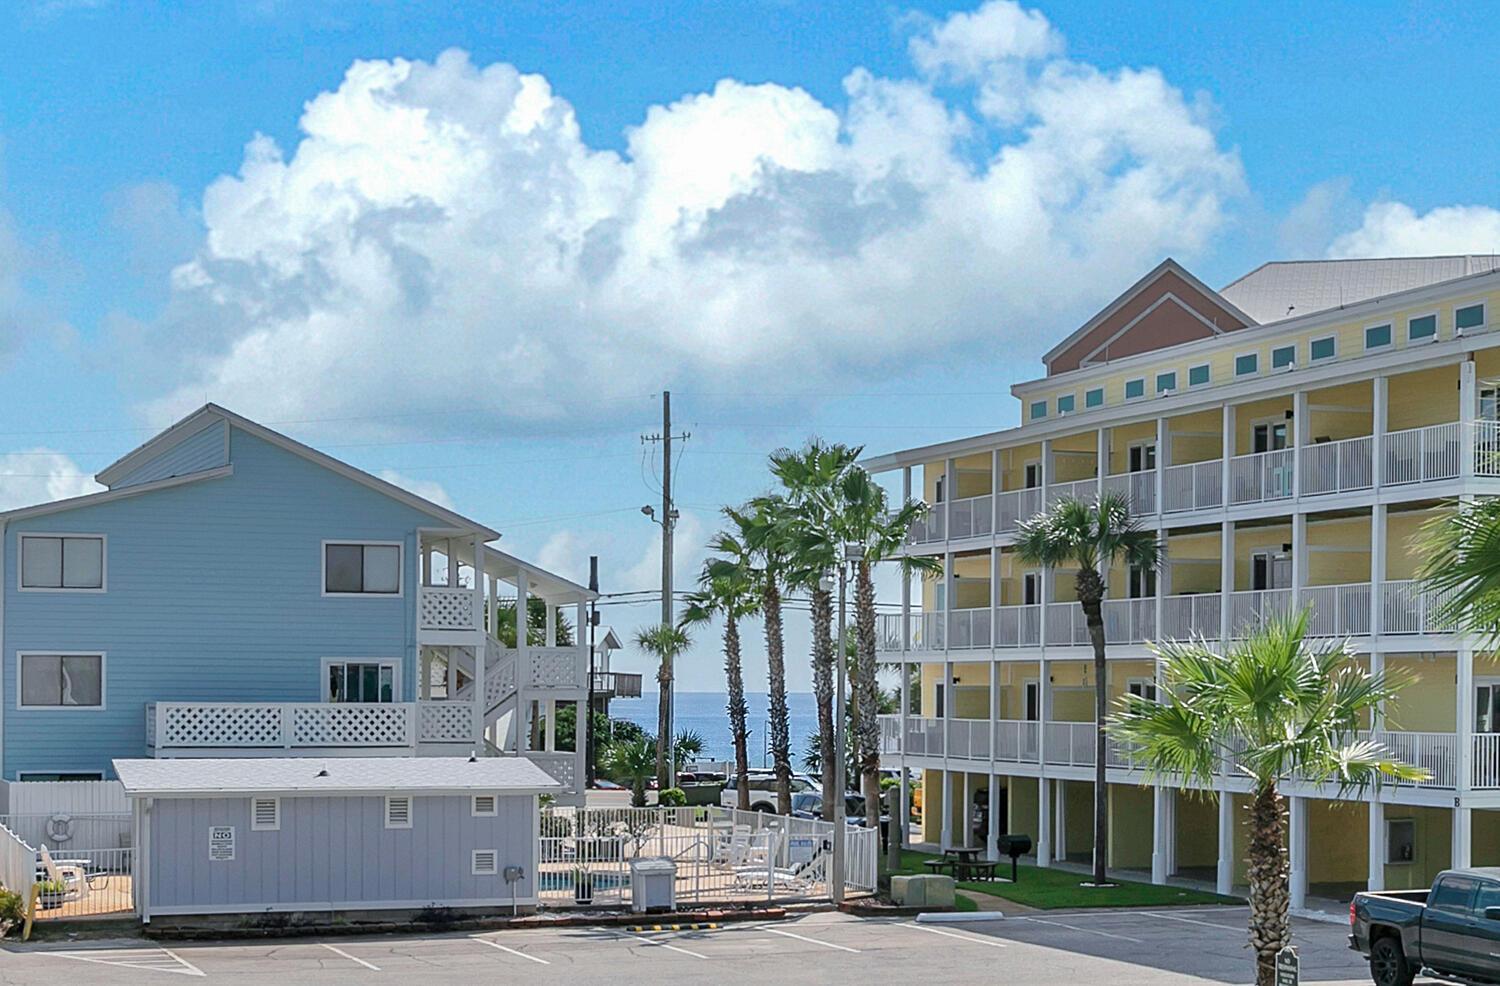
1451,932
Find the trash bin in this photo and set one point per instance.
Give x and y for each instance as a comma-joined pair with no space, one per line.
653,885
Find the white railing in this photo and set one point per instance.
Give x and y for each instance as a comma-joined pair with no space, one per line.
890,637
445,722
969,739
1337,610
926,631
928,528
969,629
558,667
890,734
1016,740
972,516
445,608
1485,773
1435,752
1338,467
105,889
1249,609
17,863
1190,617
1261,476
1409,608
1066,625
924,737
1486,439
1420,455
1018,626
1129,621
373,727
1139,488
561,767
1014,506
1194,486
1070,744
1086,490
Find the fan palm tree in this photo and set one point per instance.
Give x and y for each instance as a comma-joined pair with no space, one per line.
1281,708
732,595
1093,536
1462,567
632,762
664,642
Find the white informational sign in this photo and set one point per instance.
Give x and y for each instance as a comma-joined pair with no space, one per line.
801,849
220,843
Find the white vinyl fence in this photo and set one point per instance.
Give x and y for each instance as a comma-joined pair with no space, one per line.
84,828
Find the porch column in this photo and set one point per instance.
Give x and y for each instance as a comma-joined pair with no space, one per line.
998,826
1299,557
549,737
1163,833
1046,469
945,804
992,851
1226,578
1299,439
1376,876
1224,877
1377,573
424,670
427,564
1161,460
1297,851
950,475
1379,422
1060,821
1463,837
452,564
583,711
965,807
1226,448
1465,721
995,477
905,586
1043,847
902,815
1468,410
520,726
1101,460
948,607
551,625
479,645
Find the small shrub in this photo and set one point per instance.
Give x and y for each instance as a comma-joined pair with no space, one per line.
12,908
437,917
672,797
886,783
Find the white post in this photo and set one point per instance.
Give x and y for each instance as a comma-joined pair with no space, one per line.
1224,877
551,625
1299,439
963,816
998,826
1377,573
1101,460
479,646
1226,577
1376,877
945,805
950,476
1379,421
1161,460
583,711
949,578
549,728
1297,851
1043,822
1046,465
1299,557
1163,833
1465,731
452,564
1463,837
1468,410
905,590
519,723
1060,821
1227,447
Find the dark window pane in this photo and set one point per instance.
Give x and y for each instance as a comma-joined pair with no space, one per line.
1470,317
41,679
1422,328
1322,348
369,682
1451,894
345,568
41,563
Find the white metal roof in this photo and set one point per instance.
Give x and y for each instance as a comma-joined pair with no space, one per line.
332,775
1288,288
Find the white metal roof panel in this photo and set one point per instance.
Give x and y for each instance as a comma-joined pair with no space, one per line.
332,775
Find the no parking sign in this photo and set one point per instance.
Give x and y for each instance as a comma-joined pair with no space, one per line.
1288,969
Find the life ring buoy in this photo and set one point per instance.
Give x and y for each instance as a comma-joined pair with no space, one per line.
60,828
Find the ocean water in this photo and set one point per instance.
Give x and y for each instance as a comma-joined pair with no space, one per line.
704,713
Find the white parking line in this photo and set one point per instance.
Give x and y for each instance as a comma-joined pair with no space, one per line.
1087,931
512,951
145,958
811,941
659,944
357,961
950,934
1206,924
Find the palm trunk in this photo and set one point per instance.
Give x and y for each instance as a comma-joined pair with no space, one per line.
777,726
866,691
734,673
1270,891
663,723
1090,593
822,668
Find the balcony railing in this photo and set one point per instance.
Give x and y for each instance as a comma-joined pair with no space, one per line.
1261,476
1195,486
1086,490
1066,625
969,628
618,684
1338,467
1337,610
1139,489
1018,626
1129,621
1188,617
969,739
1422,455
445,608
929,528
1249,609
1408,608
1014,506
973,516
1070,744
304,728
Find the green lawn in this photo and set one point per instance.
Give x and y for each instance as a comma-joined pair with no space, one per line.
962,903
1052,889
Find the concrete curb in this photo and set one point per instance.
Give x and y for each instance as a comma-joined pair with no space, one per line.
958,917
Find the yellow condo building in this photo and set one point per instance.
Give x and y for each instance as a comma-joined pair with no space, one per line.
1287,436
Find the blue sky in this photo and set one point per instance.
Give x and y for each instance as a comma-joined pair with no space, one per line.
478,280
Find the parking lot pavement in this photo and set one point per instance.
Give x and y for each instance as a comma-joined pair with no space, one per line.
1118,948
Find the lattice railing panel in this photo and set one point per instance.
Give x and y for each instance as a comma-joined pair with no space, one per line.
499,676
221,725
562,767
445,722
371,724
556,667
444,608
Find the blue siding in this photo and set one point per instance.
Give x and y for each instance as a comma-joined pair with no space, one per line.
204,449
214,594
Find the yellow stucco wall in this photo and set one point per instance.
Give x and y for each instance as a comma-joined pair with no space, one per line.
1337,841
1197,830
1130,826
1427,703
1023,798
1434,847
1079,796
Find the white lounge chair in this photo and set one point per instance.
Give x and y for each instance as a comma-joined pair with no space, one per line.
73,874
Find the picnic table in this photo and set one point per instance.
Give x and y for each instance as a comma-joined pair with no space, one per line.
966,864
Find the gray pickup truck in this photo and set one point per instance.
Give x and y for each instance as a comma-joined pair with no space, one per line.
1451,932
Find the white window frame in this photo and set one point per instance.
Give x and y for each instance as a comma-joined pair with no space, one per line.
1322,359
1163,391
400,547
1094,390
103,540
1288,367
1027,686
1200,366
1031,409
1145,682
103,657
1142,395
329,662
26,775
1437,328
1071,410
1235,364
1484,315
255,824
410,810
1389,324
494,811
494,855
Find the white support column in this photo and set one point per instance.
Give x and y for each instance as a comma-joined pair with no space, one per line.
992,849
1163,832
1224,876
995,478
1464,711
1299,439
549,730
1380,404
1377,572
1227,447
452,564
1163,583
1297,851
520,726
1377,668
998,826
950,481
550,633
1468,410
1226,577
949,579
1376,877
946,804
583,712
994,607
965,806
1060,821
1047,469
424,668
1161,459
427,564
1101,459
1299,556
1463,837
905,578
479,645
1044,709
1043,845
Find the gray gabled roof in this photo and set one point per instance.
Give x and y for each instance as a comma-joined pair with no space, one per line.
1284,289
332,775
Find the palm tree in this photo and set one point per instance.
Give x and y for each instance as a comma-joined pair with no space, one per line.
1280,708
632,762
1093,536
1462,567
687,746
664,642
760,529
734,596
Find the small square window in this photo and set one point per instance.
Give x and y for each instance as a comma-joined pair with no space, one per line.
354,569
1283,356
1135,388
1321,349
1198,375
1066,403
1469,317
1094,398
1166,382
1038,410
1378,336
1247,364
1421,327
485,806
398,812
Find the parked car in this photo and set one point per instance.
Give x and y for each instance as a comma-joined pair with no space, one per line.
1452,929
809,804
763,790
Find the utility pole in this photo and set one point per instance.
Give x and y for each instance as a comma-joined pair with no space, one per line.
840,754
590,771
668,522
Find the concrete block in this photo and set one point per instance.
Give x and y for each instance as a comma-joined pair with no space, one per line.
906,891
939,891
922,890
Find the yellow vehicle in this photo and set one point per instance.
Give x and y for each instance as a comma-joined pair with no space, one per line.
916,804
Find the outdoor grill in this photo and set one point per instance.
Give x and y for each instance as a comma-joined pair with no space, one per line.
1014,846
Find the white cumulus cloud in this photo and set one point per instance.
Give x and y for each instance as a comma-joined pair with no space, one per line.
1394,229
446,221
40,475
425,488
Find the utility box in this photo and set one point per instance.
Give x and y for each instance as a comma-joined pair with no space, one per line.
653,885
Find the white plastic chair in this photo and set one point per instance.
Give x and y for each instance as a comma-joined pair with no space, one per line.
71,873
